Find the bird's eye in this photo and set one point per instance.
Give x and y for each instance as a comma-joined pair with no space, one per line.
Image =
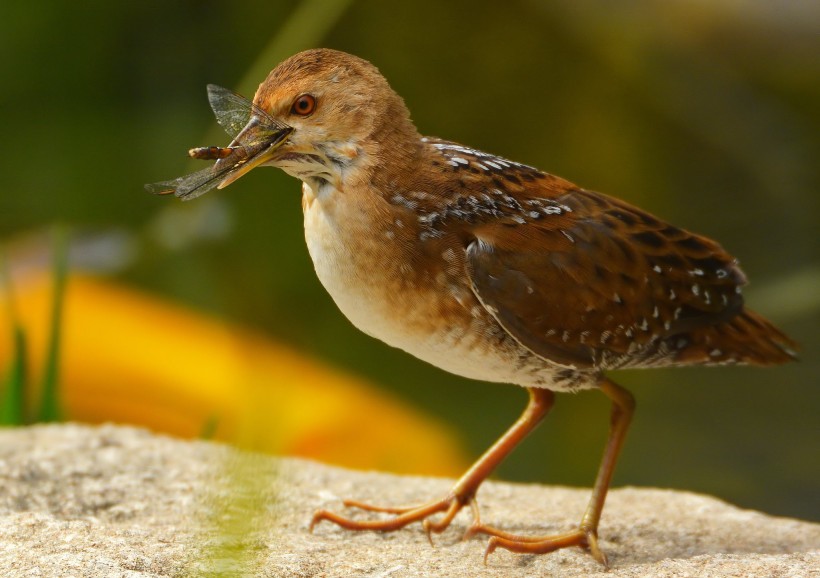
304,105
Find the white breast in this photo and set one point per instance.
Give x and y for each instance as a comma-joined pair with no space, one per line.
332,230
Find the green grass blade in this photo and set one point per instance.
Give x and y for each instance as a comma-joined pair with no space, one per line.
13,408
50,406
13,405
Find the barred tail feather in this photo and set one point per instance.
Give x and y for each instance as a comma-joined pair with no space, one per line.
746,338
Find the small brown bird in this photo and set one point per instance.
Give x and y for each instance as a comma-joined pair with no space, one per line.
484,267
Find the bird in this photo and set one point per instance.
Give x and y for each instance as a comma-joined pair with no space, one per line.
485,267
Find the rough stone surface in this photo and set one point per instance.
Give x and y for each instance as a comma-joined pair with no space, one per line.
120,502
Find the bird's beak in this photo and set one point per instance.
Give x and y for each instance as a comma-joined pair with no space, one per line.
261,139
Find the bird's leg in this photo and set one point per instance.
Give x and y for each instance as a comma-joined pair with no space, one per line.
586,536
462,493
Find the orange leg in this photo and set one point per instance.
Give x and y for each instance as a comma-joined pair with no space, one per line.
462,493
586,536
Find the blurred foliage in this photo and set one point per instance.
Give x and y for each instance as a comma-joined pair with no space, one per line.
50,392
12,402
18,387
704,113
232,512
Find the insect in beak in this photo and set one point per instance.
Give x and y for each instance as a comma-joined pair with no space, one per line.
256,135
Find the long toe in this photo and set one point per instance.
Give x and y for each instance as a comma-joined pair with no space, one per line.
402,516
582,538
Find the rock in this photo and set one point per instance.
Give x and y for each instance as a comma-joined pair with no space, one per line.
121,502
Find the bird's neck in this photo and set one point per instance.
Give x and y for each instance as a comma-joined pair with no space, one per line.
397,152
385,160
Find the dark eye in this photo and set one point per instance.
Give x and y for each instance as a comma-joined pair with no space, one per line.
304,105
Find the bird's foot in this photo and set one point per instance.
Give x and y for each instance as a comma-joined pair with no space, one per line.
586,538
403,515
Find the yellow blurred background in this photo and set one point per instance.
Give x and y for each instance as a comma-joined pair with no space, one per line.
188,317
129,357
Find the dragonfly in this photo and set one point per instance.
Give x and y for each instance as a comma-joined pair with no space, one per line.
254,132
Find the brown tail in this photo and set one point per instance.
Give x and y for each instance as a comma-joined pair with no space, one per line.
745,338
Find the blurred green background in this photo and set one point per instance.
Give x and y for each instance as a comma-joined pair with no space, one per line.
705,113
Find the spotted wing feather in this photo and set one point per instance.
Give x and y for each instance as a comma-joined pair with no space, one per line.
590,281
587,280
607,286
590,297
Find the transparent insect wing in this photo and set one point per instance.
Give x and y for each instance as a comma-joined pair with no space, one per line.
189,186
234,111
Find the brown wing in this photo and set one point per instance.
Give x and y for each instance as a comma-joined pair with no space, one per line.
604,284
587,280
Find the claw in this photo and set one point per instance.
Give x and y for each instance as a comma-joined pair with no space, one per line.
428,530
591,546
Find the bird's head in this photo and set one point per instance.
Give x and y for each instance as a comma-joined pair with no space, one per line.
342,115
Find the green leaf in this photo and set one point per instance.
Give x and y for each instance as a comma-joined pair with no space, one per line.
50,404
12,409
